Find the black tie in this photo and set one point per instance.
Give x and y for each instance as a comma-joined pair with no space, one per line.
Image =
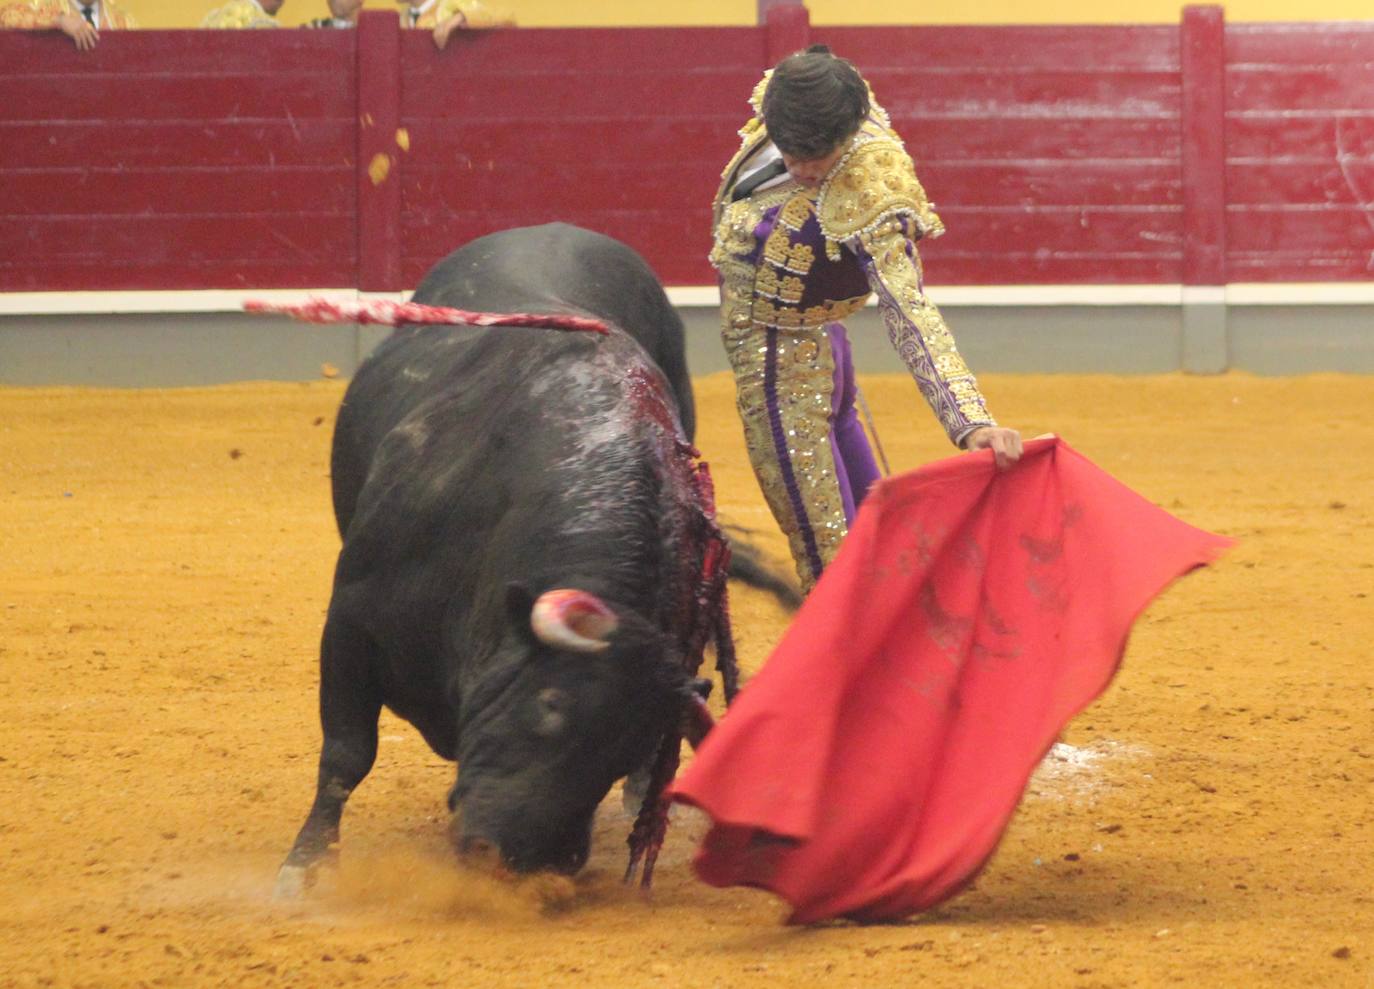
769,171
89,14
414,16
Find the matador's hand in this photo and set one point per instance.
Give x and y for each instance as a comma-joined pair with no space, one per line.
1004,443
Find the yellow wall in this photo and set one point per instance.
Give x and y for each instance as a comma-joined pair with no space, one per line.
1072,11
559,13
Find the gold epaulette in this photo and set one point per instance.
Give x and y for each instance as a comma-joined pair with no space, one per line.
753,127
874,182
756,97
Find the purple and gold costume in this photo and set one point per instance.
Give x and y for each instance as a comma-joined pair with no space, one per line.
793,262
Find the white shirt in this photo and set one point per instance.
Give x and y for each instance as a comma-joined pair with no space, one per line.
760,159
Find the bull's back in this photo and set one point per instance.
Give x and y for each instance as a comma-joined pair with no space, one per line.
439,415
560,268
440,395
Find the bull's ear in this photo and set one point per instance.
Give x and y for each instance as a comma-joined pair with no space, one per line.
519,604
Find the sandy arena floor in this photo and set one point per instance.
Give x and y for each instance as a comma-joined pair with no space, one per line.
165,560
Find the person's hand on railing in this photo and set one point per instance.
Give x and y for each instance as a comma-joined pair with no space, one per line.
447,27
81,31
468,15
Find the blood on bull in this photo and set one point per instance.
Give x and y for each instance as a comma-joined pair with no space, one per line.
530,568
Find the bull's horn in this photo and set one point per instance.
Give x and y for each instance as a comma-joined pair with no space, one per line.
572,620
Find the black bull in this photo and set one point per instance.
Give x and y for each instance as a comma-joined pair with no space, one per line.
530,565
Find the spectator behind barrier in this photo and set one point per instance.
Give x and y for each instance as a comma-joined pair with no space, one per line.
343,13
443,17
244,14
82,22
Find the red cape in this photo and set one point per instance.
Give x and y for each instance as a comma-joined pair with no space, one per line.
872,765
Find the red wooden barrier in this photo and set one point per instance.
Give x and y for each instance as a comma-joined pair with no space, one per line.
1300,152
177,159
1204,146
1108,155
787,27
1052,153
624,131
382,146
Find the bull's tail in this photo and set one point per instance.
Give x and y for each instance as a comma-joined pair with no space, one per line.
726,664
749,565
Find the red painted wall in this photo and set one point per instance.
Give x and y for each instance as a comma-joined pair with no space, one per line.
1051,153
176,159
623,131
1300,151
184,159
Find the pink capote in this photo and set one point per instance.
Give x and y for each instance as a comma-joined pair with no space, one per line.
870,768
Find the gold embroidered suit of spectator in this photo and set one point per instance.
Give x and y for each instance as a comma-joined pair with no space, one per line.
471,14
243,14
103,15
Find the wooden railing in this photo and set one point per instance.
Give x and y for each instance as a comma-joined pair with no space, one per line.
1199,154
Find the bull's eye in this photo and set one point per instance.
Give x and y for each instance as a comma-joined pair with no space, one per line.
552,706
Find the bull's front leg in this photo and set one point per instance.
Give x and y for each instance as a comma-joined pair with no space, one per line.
350,703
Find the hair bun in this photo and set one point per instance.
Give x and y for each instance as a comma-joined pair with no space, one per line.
818,50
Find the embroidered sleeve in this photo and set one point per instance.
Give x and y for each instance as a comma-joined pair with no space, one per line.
18,16
31,14
918,331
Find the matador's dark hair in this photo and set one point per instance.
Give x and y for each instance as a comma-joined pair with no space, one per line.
814,101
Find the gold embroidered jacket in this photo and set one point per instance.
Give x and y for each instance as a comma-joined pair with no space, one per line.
239,14
792,258
477,15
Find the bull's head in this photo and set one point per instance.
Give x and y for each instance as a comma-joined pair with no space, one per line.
580,695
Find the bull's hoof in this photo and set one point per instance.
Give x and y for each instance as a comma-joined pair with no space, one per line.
293,882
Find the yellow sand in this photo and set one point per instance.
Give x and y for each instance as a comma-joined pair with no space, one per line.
165,560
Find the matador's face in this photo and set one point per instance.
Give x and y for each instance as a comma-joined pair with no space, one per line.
810,172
